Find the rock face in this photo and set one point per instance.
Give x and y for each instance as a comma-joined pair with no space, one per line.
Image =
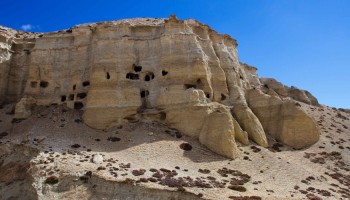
283,119
179,72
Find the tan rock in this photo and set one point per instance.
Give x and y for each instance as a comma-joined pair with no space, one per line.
283,119
240,135
23,108
250,123
211,123
298,95
218,132
275,86
177,72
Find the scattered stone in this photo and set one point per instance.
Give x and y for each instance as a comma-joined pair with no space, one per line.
277,146
97,159
75,146
153,170
125,166
313,197
113,139
255,149
138,172
238,188
52,180
204,171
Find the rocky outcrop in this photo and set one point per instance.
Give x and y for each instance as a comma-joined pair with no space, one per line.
283,119
302,95
15,49
275,88
178,72
15,178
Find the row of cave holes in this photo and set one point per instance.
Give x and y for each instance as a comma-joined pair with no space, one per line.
145,93
78,105
42,84
134,76
45,84
71,97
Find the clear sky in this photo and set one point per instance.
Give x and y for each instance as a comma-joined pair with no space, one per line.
304,43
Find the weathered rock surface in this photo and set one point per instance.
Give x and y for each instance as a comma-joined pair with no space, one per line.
178,72
283,119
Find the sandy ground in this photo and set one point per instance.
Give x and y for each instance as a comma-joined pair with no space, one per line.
148,155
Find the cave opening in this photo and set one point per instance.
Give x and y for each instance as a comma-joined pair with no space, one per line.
132,76
144,93
86,83
223,97
108,76
78,105
188,86
71,97
137,68
149,76
74,87
164,72
63,98
81,95
44,84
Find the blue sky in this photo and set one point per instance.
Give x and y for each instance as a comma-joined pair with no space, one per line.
304,43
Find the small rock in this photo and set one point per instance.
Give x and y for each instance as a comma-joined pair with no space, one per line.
150,133
238,188
98,158
138,172
101,168
52,180
186,146
75,146
113,139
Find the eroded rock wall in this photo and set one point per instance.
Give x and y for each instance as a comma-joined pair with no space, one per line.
179,72
15,49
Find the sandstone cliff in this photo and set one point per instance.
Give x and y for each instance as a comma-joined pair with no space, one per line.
177,72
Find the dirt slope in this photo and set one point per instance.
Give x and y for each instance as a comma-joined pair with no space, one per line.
50,156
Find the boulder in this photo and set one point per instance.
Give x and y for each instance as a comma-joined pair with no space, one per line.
275,86
283,119
250,123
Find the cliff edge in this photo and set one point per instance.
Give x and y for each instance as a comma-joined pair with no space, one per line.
180,73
